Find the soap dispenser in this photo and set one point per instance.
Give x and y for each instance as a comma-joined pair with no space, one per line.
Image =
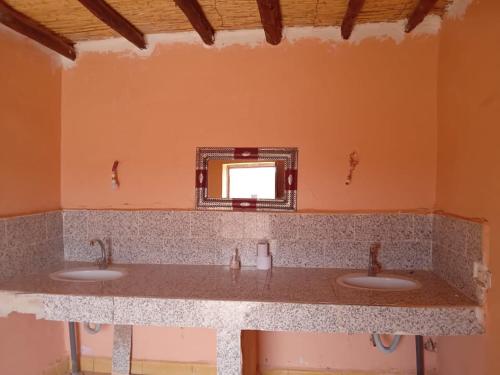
235,263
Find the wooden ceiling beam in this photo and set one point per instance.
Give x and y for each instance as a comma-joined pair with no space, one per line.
270,16
421,10
199,21
353,9
36,31
102,10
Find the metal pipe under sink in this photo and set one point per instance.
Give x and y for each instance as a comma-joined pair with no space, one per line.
75,360
419,348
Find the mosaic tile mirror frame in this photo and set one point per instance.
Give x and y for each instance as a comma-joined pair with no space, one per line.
225,177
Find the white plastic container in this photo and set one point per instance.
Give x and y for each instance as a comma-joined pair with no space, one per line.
262,248
264,261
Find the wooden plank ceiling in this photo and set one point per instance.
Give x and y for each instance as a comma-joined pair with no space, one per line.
80,20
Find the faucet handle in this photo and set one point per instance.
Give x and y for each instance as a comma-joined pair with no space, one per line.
94,241
103,261
374,265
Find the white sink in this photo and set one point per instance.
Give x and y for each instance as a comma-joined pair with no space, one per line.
88,274
381,282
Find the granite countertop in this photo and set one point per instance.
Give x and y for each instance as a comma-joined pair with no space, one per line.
219,283
283,299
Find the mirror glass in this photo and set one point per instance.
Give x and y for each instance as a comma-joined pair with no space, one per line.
253,179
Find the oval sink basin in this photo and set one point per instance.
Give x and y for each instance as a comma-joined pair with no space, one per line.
90,274
382,282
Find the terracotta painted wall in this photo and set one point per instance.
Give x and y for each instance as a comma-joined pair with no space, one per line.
155,343
327,100
275,350
29,346
340,351
468,161
30,127
151,114
29,181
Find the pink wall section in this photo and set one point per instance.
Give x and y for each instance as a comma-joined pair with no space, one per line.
339,351
30,126
29,346
275,350
468,161
151,114
29,181
175,344
155,343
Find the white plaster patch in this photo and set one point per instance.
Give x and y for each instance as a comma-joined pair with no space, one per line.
457,9
255,37
123,47
323,34
480,315
21,303
250,38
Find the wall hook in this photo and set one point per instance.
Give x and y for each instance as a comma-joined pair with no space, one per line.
115,183
353,162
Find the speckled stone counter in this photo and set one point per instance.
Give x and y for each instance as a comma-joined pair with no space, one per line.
284,299
132,299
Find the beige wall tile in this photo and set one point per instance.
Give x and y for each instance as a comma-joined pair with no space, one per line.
166,368
136,368
200,369
102,365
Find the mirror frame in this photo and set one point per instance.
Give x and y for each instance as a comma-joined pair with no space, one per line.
289,155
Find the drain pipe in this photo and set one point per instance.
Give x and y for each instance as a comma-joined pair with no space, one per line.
419,347
75,362
386,349
92,328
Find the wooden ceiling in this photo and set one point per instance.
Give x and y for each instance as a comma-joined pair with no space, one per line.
79,20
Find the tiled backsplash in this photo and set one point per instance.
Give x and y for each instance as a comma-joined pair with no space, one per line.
207,237
449,246
30,243
457,244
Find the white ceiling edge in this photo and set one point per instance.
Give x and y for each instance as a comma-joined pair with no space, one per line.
255,38
457,9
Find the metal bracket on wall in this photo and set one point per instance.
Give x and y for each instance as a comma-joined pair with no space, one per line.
353,163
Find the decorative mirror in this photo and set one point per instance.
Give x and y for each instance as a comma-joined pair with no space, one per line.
254,179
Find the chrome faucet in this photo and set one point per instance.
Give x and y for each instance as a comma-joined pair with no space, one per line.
374,266
103,261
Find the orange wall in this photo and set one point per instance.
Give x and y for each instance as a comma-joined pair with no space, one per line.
30,127
338,351
468,162
151,114
30,181
29,346
275,350
155,343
